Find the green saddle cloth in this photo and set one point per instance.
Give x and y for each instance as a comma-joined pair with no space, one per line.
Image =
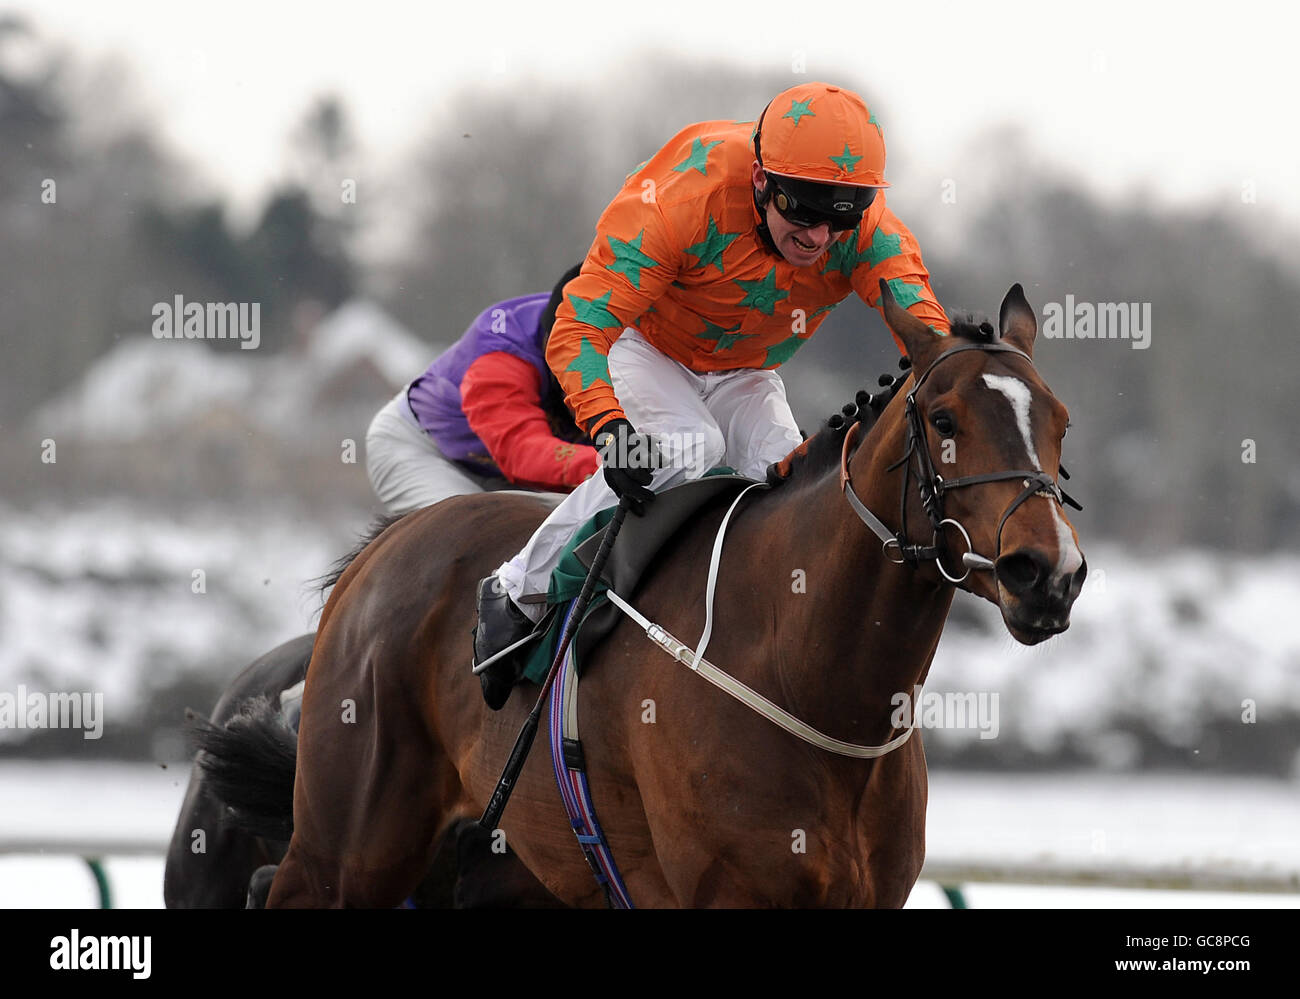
639,541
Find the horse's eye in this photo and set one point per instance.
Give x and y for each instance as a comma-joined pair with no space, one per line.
943,423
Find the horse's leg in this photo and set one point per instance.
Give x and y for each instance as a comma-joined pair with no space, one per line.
207,856
486,879
372,791
259,886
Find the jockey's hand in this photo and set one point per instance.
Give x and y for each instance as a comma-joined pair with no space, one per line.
630,460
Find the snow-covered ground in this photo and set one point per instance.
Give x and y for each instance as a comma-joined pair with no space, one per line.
1192,650
1083,819
106,599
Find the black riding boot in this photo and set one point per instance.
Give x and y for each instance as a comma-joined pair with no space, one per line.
500,625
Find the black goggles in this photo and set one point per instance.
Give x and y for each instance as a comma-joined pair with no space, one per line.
807,204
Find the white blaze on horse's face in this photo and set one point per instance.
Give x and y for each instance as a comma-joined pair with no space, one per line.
1017,393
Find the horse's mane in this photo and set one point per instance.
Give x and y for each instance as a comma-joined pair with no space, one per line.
378,526
972,326
822,450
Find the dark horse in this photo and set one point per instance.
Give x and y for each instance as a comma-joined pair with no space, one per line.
702,807
237,816
213,851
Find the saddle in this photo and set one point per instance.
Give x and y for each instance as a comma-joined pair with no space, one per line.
639,543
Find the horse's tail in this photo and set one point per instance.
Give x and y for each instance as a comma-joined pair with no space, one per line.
249,764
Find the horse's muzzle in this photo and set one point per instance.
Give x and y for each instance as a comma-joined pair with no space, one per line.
1036,597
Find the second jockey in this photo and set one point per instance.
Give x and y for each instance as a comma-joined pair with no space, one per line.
717,260
486,415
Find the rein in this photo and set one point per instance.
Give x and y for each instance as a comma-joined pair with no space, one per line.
932,486
694,660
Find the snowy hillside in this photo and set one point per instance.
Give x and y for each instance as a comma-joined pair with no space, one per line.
1155,668
154,388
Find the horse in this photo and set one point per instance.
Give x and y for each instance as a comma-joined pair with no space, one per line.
237,815
213,853
703,802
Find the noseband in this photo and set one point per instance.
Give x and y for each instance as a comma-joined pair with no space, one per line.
932,486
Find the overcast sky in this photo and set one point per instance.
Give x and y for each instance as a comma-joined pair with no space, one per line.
1186,102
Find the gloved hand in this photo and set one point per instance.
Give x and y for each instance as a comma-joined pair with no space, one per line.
630,460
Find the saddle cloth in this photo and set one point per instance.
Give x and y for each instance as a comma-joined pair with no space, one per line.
640,541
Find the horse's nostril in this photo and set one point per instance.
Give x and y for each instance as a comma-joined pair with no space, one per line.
1076,582
1021,571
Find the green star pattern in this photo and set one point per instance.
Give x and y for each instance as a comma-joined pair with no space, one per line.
906,294
593,312
699,157
783,351
591,364
727,337
817,312
843,255
628,258
762,295
846,161
711,249
883,246
798,109
872,121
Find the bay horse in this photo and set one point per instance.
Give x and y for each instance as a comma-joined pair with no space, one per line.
237,816
705,803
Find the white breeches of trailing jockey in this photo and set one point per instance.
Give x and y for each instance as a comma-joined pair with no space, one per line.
406,468
699,420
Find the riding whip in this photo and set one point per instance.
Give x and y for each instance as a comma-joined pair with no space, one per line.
524,742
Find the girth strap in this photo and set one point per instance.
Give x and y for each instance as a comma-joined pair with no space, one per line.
570,766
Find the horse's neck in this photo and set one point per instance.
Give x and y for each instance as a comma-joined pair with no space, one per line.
852,629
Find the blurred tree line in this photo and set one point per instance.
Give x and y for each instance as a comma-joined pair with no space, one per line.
99,225
505,197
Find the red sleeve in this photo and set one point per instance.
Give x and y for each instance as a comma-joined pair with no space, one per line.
501,397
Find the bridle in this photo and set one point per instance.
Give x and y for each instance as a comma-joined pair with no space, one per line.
932,486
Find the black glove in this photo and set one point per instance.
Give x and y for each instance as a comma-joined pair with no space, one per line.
630,460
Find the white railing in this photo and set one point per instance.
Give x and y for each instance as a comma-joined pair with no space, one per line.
951,873
1208,876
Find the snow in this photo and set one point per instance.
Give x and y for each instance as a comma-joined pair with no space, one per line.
1082,818
102,599
1180,648
359,330
143,386
1173,642
146,388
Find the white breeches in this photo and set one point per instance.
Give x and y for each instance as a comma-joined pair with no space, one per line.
738,418
406,468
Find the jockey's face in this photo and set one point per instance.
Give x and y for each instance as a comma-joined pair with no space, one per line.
799,245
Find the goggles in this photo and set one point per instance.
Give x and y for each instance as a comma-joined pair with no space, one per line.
807,204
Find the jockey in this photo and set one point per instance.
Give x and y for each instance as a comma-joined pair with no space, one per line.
488,414
717,260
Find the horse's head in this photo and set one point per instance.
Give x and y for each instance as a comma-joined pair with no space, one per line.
981,433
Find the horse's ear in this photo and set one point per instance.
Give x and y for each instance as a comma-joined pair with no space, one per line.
1016,320
917,337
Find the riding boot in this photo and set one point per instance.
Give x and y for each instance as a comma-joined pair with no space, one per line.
500,625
